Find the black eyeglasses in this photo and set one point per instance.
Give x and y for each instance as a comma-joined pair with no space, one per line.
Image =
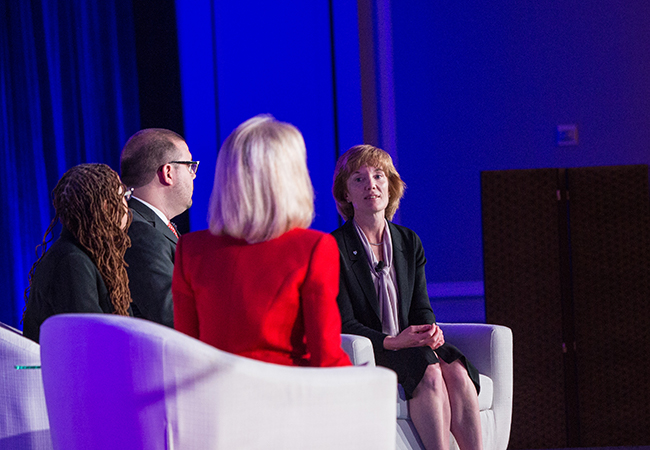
191,165
127,194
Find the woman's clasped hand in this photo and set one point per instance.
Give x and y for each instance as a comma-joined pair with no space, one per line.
416,336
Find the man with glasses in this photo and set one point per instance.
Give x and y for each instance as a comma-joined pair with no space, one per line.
158,169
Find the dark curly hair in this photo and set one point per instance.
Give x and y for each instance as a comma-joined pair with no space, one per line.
89,203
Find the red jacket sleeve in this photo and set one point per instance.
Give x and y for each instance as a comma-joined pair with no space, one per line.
321,314
186,319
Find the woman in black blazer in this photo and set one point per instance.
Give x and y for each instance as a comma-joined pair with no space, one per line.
83,271
383,296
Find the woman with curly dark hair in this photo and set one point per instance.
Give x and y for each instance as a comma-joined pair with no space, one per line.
83,271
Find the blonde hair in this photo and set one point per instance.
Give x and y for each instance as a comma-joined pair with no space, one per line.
351,161
261,187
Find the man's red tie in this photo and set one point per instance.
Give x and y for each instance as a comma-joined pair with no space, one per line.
173,228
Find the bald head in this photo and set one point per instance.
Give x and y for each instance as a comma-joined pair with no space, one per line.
145,152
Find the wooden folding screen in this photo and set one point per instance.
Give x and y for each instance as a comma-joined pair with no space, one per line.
567,267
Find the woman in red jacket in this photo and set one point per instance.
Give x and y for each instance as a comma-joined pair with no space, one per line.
258,283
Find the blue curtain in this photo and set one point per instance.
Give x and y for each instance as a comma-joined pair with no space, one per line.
68,95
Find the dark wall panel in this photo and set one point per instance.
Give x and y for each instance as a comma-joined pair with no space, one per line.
610,247
523,291
567,267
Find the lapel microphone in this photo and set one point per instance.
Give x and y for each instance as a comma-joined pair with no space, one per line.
380,266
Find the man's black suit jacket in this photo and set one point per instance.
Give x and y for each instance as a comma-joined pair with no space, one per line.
151,265
357,297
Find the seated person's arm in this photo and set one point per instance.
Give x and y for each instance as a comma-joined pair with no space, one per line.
79,287
150,274
350,324
186,319
321,314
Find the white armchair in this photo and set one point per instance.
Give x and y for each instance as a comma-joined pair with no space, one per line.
122,383
489,347
23,416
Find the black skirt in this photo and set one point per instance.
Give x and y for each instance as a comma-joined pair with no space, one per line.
411,363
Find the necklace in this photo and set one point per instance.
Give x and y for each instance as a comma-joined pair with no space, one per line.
377,244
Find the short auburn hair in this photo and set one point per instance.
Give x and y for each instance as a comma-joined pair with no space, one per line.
365,155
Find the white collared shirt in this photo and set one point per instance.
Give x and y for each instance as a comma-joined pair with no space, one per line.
158,212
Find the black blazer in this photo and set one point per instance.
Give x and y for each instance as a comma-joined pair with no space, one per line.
66,280
357,297
150,262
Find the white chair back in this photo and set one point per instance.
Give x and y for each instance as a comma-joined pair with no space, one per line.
125,383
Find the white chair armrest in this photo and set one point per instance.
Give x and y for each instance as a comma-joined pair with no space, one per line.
359,349
23,414
489,348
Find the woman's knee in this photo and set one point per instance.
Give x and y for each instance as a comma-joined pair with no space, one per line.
433,378
456,375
